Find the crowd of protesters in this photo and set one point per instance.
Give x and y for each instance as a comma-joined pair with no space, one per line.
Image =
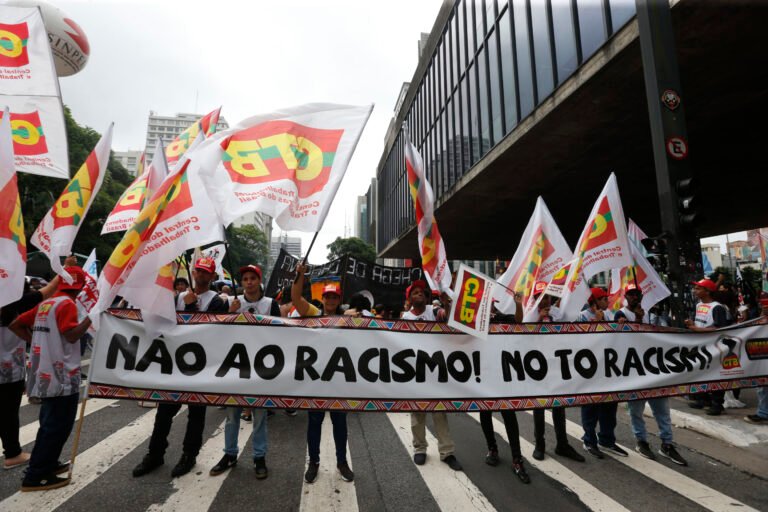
45,323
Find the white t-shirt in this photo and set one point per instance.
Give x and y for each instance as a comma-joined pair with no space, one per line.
263,306
428,314
203,300
632,317
587,315
704,316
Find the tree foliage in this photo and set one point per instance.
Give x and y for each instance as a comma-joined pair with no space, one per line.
353,246
38,193
247,245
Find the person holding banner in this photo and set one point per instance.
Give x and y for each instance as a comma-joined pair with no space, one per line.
416,295
602,413
254,302
201,298
54,377
331,299
13,367
633,312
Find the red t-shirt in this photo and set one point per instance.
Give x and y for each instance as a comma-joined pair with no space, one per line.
66,315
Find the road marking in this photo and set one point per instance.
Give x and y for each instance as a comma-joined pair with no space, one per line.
196,490
25,398
697,492
590,495
28,432
89,465
329,492
452,490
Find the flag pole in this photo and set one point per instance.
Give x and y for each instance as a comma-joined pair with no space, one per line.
76,440
311,244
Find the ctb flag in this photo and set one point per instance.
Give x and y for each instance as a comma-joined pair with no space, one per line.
472,301
13,245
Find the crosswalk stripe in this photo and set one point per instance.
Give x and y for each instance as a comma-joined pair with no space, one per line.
89,465
689,488
195,491
28,432
590,495
329,491
25,398
452,490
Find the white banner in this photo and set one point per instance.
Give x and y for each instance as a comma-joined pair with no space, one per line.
372,364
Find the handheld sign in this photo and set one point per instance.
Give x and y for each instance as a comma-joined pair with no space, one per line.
472,300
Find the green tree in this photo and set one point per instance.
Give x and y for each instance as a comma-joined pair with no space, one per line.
726,271
754,277
38,193
247,245
355,247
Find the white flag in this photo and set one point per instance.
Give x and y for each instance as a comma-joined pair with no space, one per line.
58,229
287,164
541,253
13,245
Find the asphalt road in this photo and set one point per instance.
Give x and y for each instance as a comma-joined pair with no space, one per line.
116,433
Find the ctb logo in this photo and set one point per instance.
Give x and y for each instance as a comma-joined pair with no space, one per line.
13,45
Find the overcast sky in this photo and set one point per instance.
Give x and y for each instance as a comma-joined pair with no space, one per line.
250,57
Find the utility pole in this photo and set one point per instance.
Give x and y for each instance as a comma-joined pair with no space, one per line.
674,177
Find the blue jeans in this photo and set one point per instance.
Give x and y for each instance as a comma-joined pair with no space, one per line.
603,413
232,427
57,417
314,431
660,408
762,402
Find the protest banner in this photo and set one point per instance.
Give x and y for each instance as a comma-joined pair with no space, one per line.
386,284
370,364
30,89
13,243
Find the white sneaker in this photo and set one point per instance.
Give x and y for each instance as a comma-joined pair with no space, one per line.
731,402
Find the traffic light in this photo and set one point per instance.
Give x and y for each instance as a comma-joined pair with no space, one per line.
656,248
686,204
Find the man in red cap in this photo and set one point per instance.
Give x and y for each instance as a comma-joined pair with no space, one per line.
252,301
416,295
13,367
200,298
710,315
331,299
603,413
54,377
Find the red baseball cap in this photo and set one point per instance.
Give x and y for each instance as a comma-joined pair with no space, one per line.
206,264
78,279
419,283
598,293
706,283
251,268
332,288
631,288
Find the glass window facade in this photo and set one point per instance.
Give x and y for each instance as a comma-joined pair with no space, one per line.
493,63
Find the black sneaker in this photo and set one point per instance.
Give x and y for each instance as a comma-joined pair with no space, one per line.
148,464
538,451
569,452
644,449
519,469
492,459
260,467
668,451
226,462
757,420
715,410
419,458
453,463
52,482
61,468
270,413
290,412
311,474
615,449
346,473
593,450
184,466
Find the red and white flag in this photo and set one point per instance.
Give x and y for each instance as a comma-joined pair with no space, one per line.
89,295
130,203
431,246
180,145
541,253
179,216
13,245
58,229
473,298
287,164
